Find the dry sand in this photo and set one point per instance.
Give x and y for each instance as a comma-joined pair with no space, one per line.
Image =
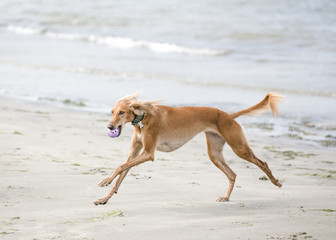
51,160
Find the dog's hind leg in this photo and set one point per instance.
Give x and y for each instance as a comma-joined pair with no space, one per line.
215,145
247,154
237,141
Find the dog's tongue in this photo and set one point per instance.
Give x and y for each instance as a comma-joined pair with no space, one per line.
113,133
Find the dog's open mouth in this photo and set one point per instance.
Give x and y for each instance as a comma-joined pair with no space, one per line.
114,132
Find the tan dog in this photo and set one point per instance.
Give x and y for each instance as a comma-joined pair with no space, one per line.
163,128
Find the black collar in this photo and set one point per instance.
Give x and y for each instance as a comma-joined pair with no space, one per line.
137,120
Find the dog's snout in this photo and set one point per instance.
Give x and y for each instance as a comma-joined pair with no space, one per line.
110,126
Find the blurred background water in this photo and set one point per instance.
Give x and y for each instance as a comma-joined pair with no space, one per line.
226,54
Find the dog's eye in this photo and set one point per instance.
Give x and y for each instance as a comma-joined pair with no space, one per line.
121,113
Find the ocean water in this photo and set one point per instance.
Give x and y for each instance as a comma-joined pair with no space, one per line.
226,54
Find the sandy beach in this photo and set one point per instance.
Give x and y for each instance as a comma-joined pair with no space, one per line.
63,64
51,160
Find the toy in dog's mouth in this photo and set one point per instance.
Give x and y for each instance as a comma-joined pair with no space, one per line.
114,132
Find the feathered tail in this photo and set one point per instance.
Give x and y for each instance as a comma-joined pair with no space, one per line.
269,102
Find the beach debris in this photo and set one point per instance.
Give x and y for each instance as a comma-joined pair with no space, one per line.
301,208
138,176
295,136
195,184
73,103
97,171
327,143
289,154
263,178
178,204
101,217
330,136
41,112
328,176
294,236
262,126
243,223
9,224
328,162
324,210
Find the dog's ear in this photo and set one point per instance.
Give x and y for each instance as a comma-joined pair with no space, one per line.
137,109
143,107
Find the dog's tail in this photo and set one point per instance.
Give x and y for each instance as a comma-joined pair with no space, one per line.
270,101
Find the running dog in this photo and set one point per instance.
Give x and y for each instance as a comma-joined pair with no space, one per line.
164,128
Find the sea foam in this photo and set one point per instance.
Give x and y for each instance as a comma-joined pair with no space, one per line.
119,42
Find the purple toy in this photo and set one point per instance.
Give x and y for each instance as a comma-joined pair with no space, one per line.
113,133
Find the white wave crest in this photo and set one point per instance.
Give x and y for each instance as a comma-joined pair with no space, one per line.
23,30
127,43
119,42
64,36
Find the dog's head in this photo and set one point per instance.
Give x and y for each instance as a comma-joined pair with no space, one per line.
127,109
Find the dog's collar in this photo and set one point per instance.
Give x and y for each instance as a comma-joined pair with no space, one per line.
137,120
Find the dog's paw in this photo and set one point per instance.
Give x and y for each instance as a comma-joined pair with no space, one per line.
277,183
101,201
222,199
105,182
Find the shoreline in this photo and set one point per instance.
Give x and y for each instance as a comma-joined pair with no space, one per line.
315,133
52,159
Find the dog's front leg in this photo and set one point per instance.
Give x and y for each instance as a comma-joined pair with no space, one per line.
135,150
144,157
136,147
122,170
148,142
113,190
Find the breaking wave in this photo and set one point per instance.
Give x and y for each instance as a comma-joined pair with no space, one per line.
119,42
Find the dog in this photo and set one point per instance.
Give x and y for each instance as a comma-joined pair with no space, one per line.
164,128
